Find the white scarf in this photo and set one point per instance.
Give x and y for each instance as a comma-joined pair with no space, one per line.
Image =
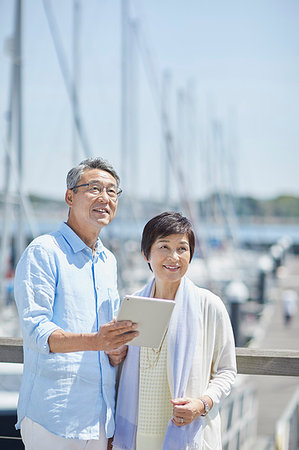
182,333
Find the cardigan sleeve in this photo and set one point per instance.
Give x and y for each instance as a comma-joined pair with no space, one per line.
224,368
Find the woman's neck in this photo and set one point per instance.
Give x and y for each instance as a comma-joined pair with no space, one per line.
166,290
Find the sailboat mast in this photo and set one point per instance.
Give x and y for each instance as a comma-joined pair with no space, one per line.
76,76
17,119
124,90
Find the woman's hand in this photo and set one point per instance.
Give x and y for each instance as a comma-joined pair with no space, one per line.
185,410
118,355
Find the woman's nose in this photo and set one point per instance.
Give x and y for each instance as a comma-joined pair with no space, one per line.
173,255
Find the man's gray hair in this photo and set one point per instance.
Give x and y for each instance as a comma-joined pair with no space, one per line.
76,173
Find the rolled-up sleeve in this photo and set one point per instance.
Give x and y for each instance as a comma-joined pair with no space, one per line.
34,288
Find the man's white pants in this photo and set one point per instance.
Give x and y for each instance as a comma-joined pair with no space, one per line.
36,437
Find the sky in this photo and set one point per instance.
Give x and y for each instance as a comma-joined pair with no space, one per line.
232,94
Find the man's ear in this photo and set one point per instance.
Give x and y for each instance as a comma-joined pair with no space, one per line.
69,197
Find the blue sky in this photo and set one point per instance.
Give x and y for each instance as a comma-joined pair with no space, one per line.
239,60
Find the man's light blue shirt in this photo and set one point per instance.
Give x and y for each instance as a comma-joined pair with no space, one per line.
60,284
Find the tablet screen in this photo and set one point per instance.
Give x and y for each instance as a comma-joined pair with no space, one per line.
152,316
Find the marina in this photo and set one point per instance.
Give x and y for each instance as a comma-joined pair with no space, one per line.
260,326
175,146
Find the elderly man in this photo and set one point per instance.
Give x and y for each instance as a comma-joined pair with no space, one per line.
66,294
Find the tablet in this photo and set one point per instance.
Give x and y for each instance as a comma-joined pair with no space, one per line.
152,316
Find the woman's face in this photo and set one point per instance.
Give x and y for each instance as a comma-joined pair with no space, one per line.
169,257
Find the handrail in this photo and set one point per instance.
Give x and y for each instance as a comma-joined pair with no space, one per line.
238,417
287,432
11,350
267,362
249,361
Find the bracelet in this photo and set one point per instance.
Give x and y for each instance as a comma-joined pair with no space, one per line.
207,408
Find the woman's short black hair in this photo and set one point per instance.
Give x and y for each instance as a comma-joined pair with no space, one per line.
163,225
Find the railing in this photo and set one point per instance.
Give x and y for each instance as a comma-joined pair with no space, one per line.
11,350
249,361
287,435
237,416
238,419
268,362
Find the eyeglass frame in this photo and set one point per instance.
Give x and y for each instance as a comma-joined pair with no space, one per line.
103,188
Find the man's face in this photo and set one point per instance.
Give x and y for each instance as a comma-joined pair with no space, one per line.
89,211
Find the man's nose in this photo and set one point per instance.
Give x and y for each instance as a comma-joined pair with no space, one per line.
103,193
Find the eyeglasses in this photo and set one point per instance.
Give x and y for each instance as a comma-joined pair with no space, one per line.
97,189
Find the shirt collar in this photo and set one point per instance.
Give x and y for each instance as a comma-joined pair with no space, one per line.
76,242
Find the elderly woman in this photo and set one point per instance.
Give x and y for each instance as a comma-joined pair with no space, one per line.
169,396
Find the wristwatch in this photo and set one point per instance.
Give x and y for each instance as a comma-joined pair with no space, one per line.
207,408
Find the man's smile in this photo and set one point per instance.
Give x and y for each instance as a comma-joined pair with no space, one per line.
101,210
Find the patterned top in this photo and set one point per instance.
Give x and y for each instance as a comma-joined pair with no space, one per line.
154,406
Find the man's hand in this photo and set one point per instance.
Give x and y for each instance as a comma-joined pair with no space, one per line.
110,336
114,334
118,355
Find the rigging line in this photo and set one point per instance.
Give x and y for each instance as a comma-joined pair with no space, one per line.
76,70
226,208
186,203
159,101
69,84
174,159
25,203
149,67
6,202
168,136
160,106
24,200
166,129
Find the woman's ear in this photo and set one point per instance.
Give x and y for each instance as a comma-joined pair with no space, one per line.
146,259
69,197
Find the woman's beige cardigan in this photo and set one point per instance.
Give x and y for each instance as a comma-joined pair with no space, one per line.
214,364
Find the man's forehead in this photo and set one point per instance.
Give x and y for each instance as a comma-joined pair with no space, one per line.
98,175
